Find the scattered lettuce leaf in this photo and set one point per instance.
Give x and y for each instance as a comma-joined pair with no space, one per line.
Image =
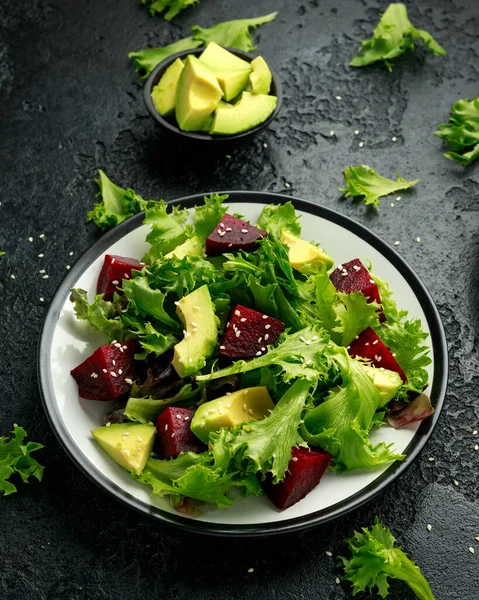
231,34
264,446
146,60
394,35
341,424
209,215
15,458
301,354
2,254
278,217
116,204
374,559
364,181
462,132
172,7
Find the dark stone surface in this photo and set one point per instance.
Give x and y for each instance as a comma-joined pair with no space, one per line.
71,103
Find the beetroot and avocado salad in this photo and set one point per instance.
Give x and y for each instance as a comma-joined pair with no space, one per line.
239,355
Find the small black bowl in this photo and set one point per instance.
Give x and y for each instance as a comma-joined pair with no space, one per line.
170,123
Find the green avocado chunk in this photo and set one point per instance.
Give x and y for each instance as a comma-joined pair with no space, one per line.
260,79
243,405
386,382
197,95
249,112
231,71
164,93
302,254
197,313
128,444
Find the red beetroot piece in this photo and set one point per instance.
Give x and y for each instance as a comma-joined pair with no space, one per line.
115,268
107,373
248,333
232,234
305,470
354,277
174,433
369,345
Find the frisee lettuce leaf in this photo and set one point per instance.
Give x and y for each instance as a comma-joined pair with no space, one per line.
148,301
231,34
354,314
264,446
209,215
116,204
341,423
278,217
172,7
364,181
167,229
145,410
103,315
15,458
146,60
374,559
462,132
394,35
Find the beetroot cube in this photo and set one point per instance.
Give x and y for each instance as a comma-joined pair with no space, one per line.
305,470
174,433
107,373
354,277
115,268
369,345
232,234
248,333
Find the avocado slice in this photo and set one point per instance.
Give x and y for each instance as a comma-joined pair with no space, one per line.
249,112
386,382
164,93
243,405
302,254
197,313
128,444
260,79
197,95
231,71
191,247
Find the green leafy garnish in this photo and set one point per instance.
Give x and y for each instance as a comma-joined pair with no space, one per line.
364,181
275,218
146,60
172,7
104,316
116,204
2,253
374,559
209,215
231,34
394,35
341,423
462,132
167,230
264,446
15,457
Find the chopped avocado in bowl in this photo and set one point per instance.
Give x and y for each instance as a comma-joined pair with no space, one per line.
213,93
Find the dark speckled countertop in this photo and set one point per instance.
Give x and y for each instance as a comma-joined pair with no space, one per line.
72,103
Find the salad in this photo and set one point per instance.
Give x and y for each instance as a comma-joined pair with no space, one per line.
239,355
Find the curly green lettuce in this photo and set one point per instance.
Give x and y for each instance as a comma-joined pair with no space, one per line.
362,181
462,132
15,458
374,559
172,7
146,60
394,35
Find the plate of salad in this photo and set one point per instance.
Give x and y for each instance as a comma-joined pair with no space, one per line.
242,363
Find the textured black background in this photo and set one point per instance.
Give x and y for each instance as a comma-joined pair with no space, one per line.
71,103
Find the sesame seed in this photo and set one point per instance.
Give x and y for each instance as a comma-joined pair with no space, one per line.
338,98
308,342
476,447
128,380
431,459
115,282
471,550
104,371
194,324
375,342
229,245
264,317
67,267
186,418
331,133
190,360
455,482
126,433
260,339
139,439
93,375
477,538
361,144
250,411
398,198
126,276
286,184
265,145
41,271
221,233
308,362
328,553
243,319
108,424
356,268
173,434
206,413
263,349
237,313
245,392
238,333
474,432
71,254
429,527
112,260
117,344
258,353
227,155
356,132
196,308
418,239
41,255
42,299
314,338
245,407
30,239
222,347
114,363
12,276
244,231
396,243
41,236
392,204
266,337
228,229
45,277
377,358
188,334
344,273
166,427
113,374
126,452
120,371
394,138
178,416
250,570
294,458
338,581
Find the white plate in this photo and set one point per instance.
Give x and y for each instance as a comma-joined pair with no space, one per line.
66,342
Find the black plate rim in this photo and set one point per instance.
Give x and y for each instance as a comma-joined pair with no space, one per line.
438,386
